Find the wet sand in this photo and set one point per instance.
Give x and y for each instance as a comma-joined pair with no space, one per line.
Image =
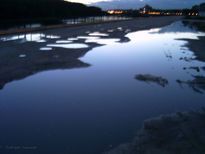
197,46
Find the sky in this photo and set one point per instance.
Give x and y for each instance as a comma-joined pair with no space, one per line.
135,4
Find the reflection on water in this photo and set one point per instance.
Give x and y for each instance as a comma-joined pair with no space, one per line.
33,37
91,109
94,19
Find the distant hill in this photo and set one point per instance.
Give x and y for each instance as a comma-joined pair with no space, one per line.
31,9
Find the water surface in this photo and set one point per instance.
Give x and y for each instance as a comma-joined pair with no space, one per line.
98,104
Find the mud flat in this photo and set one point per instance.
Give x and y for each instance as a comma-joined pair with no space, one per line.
178,133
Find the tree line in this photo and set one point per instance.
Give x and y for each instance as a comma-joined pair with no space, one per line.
32,9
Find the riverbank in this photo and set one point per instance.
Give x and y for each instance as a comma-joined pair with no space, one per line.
180,133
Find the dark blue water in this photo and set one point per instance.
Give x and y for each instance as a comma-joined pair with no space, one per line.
92,109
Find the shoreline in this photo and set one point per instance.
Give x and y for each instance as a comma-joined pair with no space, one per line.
59,26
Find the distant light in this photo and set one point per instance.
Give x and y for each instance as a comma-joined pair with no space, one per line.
154,13
114,11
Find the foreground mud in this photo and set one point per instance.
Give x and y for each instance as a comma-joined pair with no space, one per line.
180,133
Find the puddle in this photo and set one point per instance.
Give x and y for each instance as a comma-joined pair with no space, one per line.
98,40
53,37
69,46
97,91
45,49
41,41
72,39
22,56
110,30
98,34
120,29
102,41
36,37
64,41
88,37
31,37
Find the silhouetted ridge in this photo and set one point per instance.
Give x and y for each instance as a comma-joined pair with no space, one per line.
28,9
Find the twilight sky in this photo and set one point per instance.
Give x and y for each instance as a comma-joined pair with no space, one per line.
135,4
